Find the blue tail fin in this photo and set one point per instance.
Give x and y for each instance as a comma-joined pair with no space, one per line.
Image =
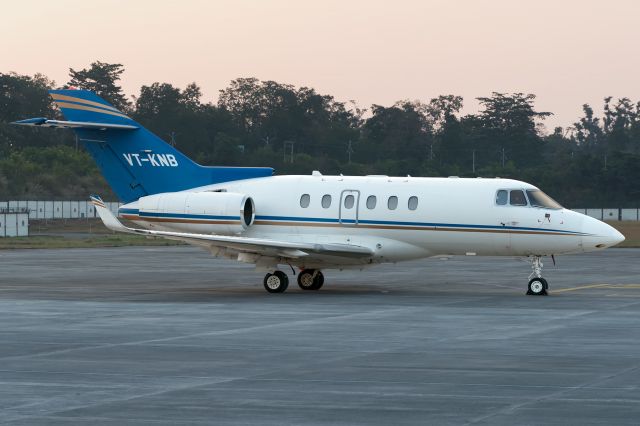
134,161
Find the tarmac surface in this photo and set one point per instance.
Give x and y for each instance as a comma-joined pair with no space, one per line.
169,335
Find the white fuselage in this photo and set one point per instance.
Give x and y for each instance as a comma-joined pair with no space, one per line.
447,216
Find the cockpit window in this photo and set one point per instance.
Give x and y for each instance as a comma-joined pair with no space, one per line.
502,197
517,198
538,198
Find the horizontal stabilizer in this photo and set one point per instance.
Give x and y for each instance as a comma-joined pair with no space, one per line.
43,122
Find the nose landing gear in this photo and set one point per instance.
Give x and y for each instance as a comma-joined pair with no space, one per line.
537,285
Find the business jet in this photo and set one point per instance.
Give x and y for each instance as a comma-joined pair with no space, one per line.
316,222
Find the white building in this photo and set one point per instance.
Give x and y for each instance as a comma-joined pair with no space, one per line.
14,222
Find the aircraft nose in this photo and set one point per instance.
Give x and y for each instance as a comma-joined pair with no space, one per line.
599,235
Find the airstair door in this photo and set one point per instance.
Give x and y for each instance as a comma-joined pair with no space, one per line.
349,204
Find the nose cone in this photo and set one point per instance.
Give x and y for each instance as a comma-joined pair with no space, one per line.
599,235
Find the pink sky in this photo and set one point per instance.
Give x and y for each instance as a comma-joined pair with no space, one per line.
566,52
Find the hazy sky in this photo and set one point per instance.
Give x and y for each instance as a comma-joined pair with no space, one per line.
566,52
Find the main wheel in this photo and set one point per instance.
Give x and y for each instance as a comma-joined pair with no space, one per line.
276,282
306,280
317,283
537,287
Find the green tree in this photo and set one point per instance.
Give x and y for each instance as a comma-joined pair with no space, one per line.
180,118
270,113
101,78
588,134
509,122
448,141
21,97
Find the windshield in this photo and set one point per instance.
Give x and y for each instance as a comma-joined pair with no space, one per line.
538,198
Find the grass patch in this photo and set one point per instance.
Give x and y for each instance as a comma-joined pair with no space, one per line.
111,240
77,233
631,231
92,226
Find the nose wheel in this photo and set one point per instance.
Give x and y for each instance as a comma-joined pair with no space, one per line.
537,285
310,279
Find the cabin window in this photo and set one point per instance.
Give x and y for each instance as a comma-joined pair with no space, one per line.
517,198
371,202
392,202
349,201
326,201
502,197
305,200
413,203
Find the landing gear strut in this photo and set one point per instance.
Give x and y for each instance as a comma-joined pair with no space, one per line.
537,285
310,279
276,282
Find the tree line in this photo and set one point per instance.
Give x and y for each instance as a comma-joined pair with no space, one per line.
594,162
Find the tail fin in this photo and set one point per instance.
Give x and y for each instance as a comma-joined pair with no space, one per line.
134,161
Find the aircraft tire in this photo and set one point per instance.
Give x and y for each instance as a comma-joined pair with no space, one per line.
537,287
306,280
319,281
276,282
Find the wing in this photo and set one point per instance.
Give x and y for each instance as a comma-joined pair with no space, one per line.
258,246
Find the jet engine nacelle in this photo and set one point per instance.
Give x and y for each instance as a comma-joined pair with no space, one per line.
203,212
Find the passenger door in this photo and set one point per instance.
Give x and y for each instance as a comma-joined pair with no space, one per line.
349,205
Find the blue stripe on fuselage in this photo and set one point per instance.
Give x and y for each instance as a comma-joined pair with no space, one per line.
349,221
188,216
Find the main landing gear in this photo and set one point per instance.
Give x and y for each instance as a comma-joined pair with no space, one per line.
308,279
276,282
537,285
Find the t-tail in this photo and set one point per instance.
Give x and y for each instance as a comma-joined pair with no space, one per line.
134,161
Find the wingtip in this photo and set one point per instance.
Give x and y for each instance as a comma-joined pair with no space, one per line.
108,218
30,121
96,200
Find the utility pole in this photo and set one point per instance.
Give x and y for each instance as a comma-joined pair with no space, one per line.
349,151
605,161
503,156
284,150
431,151
474,161
173,138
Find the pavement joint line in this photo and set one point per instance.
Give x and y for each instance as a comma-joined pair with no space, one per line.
258,375
216,333
226,380
584,287
538,330
512,408
102,401
468,305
